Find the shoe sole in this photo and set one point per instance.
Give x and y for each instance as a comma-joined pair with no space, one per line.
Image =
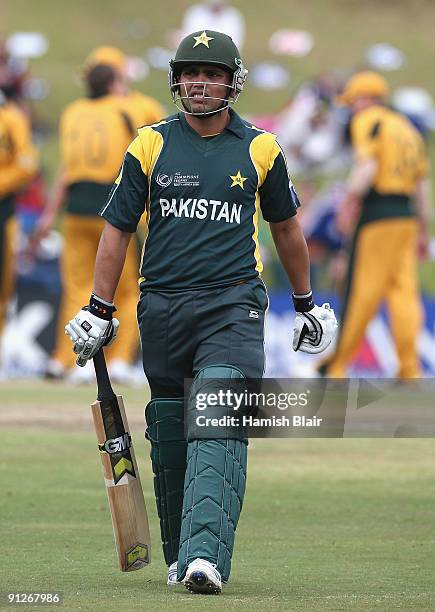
196,585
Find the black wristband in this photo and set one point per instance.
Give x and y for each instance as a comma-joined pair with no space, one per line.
303,303
100,308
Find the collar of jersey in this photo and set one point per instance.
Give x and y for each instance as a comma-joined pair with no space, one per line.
235,125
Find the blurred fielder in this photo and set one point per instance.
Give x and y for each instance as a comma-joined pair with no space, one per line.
387,211
18,165
94,133
203,176
142,109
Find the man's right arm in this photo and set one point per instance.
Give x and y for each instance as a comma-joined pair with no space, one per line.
110,259
94,326
122,212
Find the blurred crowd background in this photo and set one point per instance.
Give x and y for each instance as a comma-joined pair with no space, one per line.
299,55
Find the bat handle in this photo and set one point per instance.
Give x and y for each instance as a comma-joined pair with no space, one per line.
105,391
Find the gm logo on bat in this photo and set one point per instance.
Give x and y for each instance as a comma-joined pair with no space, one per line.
116,445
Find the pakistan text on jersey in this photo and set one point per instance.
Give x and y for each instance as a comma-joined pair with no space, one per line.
215,210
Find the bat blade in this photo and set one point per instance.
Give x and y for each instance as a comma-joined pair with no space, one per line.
124,490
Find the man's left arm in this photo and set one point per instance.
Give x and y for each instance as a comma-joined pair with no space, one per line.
314,326
292,250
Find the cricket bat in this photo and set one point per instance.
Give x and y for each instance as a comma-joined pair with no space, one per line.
121,475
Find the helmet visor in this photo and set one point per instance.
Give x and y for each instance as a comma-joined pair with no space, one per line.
198,97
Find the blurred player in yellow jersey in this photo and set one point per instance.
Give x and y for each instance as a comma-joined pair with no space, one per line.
18,165
387,210
143,109
94,134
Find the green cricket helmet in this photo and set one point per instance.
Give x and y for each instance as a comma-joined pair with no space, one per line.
213,48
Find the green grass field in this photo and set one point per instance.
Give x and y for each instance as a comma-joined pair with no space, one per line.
327,524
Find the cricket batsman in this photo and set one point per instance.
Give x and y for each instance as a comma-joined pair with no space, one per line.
203,176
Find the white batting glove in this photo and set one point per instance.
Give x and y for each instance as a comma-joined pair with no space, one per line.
92,328
314,327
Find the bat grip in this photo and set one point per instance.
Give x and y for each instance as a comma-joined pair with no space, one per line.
105,391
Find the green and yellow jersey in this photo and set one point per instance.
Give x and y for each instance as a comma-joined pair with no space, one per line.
94,134
202,198
18,157
384,135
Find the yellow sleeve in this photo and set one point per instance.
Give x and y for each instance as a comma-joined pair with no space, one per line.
155,110
63,121
263,151
145,110
365,132
62,132
23,163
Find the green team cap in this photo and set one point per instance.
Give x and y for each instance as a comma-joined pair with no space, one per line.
207,47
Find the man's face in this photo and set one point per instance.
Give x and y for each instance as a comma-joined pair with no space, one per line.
119,86
203,88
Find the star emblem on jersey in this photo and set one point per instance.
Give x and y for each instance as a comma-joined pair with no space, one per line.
203,39
238,180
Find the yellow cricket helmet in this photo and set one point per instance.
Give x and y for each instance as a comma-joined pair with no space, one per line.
363,84
107,56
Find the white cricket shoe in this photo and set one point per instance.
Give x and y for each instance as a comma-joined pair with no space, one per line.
202,577
172,574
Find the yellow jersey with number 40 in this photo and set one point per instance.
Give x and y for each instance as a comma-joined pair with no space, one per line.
94,135
382,134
